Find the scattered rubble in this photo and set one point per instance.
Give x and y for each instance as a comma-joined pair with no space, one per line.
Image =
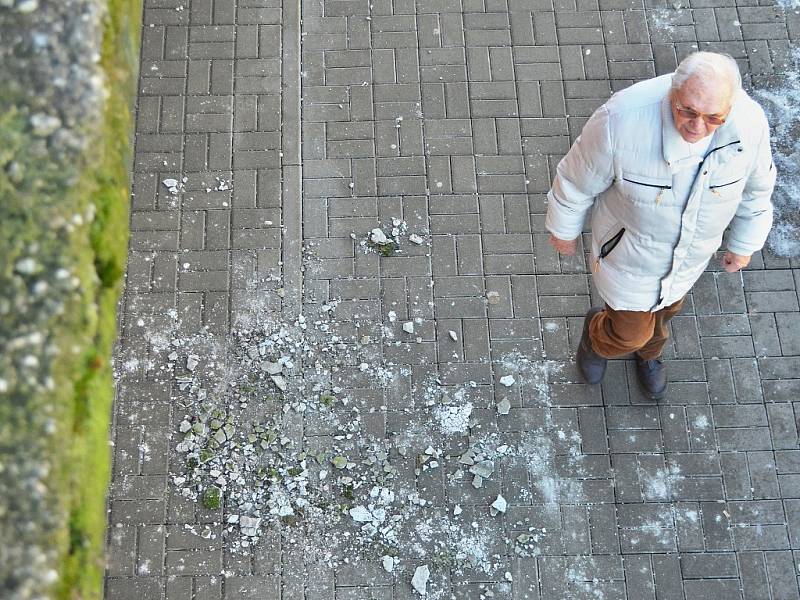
420,580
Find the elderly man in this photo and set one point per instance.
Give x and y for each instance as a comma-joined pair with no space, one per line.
668,164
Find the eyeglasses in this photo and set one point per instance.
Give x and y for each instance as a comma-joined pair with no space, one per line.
688,113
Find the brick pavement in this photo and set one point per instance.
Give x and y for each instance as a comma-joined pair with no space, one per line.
450,115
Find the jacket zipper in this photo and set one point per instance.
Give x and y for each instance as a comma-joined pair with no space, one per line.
678,241
714,188
606,248
661,188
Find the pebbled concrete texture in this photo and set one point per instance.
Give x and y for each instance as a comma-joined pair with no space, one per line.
296,126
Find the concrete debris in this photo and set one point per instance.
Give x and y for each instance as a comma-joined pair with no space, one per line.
420,580
507,380
498,506
377,236
388,564
485,468
279,382
361,514
249,525
504,406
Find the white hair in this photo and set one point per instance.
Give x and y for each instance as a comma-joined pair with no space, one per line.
709,66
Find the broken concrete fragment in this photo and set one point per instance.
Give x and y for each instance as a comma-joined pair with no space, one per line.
388,563
377,236
477,482
493,297
484,468
507,380
499,505
361,514
453,335
415,239
468,458
420,580
504,406
408,326
249,525
271,368
340,462
279,382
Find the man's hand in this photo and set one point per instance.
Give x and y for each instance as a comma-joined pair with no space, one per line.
567,247
733,262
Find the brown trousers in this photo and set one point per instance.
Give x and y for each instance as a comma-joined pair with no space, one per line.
614,333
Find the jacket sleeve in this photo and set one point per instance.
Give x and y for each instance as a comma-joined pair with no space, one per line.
585,171
753,219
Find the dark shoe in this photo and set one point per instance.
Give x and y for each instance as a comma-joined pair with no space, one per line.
592,366
652,375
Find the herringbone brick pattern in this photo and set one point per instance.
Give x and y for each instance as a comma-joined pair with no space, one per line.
449,115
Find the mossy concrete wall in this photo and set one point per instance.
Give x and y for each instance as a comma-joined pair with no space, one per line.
68,72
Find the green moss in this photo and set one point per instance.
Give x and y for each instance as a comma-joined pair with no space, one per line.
212,498
36,191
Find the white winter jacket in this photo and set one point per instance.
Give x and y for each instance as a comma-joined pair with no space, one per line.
649,247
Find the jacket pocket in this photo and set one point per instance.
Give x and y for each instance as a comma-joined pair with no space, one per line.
727,190
608,246
644,189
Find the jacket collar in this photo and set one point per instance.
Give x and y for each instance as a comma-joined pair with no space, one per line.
674,147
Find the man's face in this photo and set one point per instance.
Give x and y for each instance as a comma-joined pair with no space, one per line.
699,107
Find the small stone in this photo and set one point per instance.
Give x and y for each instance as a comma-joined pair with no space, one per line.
361,514
499,505
503,407
43,124
415,239
420,580
279,382
340,462
249,526
408,326
388,564
484,469
477,482
507,380
377,236
508,576
453,335
192,361
457,510
392,316
272,368
26,266
170,183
